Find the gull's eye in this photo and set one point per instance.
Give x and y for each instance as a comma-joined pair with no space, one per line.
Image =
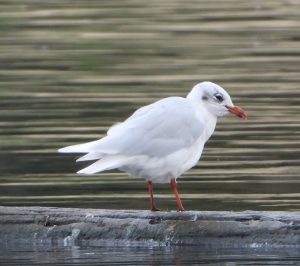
219,97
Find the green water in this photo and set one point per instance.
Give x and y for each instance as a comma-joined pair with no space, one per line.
70,69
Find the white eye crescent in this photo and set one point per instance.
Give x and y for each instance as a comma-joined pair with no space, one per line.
219,97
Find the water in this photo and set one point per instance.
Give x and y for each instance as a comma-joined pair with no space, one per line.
68,72
76,255
70,69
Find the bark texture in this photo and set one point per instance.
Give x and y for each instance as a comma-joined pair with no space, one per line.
125,227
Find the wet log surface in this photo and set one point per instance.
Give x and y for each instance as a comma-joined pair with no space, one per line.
118,227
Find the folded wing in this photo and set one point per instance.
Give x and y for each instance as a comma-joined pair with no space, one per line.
156,130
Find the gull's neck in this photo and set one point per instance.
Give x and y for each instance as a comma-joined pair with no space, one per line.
207,118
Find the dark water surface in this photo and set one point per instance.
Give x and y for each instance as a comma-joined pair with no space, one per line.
70,69
76,255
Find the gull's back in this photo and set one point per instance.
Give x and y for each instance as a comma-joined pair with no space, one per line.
153,133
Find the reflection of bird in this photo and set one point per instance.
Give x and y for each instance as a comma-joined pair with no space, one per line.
160,141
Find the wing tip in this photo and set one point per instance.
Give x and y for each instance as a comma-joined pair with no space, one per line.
83,172
62,150
73,149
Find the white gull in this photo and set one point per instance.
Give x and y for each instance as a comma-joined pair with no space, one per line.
160,141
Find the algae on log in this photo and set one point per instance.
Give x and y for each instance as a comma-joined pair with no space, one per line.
128,227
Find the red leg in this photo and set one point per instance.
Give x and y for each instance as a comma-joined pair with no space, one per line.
178,201
150,190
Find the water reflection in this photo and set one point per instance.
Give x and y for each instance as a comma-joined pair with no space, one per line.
81,255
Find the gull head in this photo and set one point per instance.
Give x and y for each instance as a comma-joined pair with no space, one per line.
215,99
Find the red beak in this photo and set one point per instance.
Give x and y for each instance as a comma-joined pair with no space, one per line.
237,111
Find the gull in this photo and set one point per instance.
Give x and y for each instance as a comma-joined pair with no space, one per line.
160,141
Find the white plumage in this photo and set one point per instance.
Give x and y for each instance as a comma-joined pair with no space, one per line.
160,141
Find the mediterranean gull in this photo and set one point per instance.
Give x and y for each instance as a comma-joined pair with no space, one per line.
160,141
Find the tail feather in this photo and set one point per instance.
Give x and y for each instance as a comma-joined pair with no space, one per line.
107,163
90,156
79,148
104,146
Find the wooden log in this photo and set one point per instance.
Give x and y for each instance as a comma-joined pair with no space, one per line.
135,227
